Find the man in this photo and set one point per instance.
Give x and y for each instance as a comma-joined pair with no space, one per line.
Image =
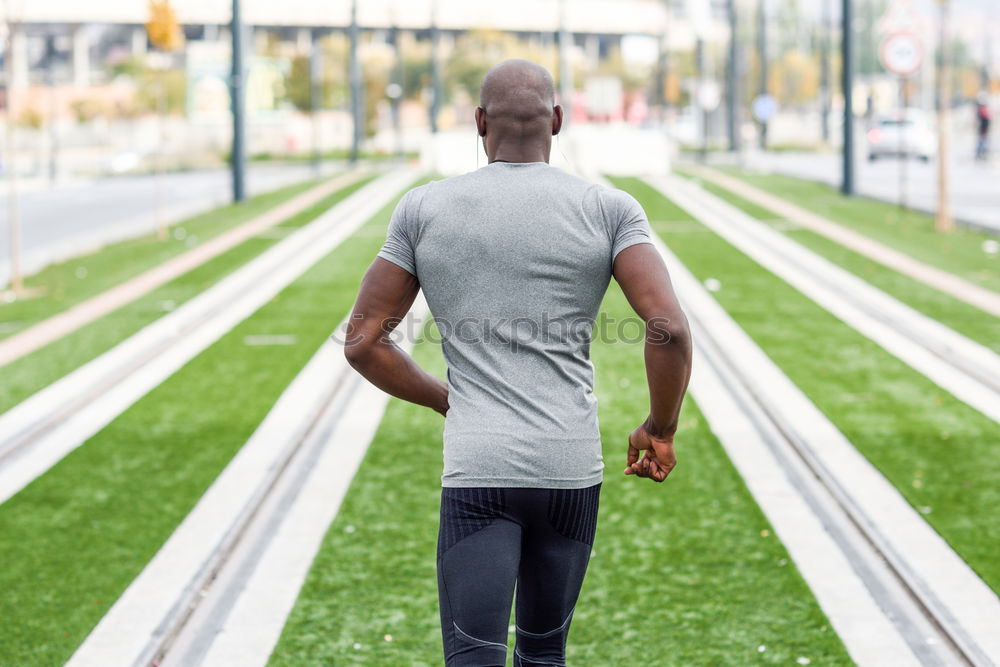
514,260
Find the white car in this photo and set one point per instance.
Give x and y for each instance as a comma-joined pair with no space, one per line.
902,133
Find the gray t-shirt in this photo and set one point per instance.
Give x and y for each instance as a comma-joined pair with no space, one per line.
514,260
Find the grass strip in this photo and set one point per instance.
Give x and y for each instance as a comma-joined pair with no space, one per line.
68,283
27,375
688,573
961,251
939,452
958,315
78,535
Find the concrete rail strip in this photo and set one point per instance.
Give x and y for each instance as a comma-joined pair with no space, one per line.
41,430
963,367
220,589
59,325
949,283
893,589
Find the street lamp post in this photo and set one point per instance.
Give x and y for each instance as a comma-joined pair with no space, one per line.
733,96
237,89
357,103
13,211
436,87
565,70
847,56
701,65
824,63
315,95
50,81
942,220
396,85
762,56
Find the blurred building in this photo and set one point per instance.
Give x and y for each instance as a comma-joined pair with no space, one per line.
77,38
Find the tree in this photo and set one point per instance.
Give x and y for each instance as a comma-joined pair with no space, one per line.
333,77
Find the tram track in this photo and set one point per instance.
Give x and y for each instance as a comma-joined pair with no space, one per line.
894,591
963,367
190,603
38,432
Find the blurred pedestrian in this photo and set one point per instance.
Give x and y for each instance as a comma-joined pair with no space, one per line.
982,127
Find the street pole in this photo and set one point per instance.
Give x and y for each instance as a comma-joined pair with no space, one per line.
354,73
660,89
826,28
943,221
733,86
397,83
847,58
436,87
50,50
13,211
315,94
237,91
904,158
762,56
565,70
699,50
161,121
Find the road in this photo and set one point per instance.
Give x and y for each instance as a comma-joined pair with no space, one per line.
975,194
68,219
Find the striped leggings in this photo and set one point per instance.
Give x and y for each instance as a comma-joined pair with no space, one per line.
492,539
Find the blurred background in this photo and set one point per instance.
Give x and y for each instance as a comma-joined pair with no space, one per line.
122,90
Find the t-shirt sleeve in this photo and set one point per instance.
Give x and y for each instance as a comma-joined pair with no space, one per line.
400,242
631,226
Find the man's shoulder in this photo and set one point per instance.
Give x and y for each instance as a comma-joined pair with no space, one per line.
613,201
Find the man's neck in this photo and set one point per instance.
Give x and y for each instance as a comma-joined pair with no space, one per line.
519,154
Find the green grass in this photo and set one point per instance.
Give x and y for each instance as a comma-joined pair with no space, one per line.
939,452
61,286
685,573
912,232
76,537
960,316
33,372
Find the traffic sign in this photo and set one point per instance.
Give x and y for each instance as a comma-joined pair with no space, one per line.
902,53
764,108
901,16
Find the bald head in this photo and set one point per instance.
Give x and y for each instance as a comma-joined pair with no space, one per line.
517,115
517,89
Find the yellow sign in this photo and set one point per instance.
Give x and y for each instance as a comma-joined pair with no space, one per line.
163,30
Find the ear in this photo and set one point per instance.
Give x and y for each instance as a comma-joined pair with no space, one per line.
557,119
481,121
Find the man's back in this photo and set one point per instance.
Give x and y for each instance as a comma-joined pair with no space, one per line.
514,260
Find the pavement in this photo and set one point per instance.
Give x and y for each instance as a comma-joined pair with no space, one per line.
65,219
975,193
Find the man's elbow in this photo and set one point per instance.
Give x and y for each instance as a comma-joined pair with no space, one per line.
673,331
358,353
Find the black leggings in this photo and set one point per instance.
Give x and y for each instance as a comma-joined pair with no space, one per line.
492,538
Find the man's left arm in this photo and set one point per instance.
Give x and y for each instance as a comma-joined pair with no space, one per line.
386,294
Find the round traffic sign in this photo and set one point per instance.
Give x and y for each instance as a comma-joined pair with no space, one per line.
764,108
902,53
393,91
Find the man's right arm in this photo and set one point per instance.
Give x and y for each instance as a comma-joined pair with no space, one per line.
643,277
